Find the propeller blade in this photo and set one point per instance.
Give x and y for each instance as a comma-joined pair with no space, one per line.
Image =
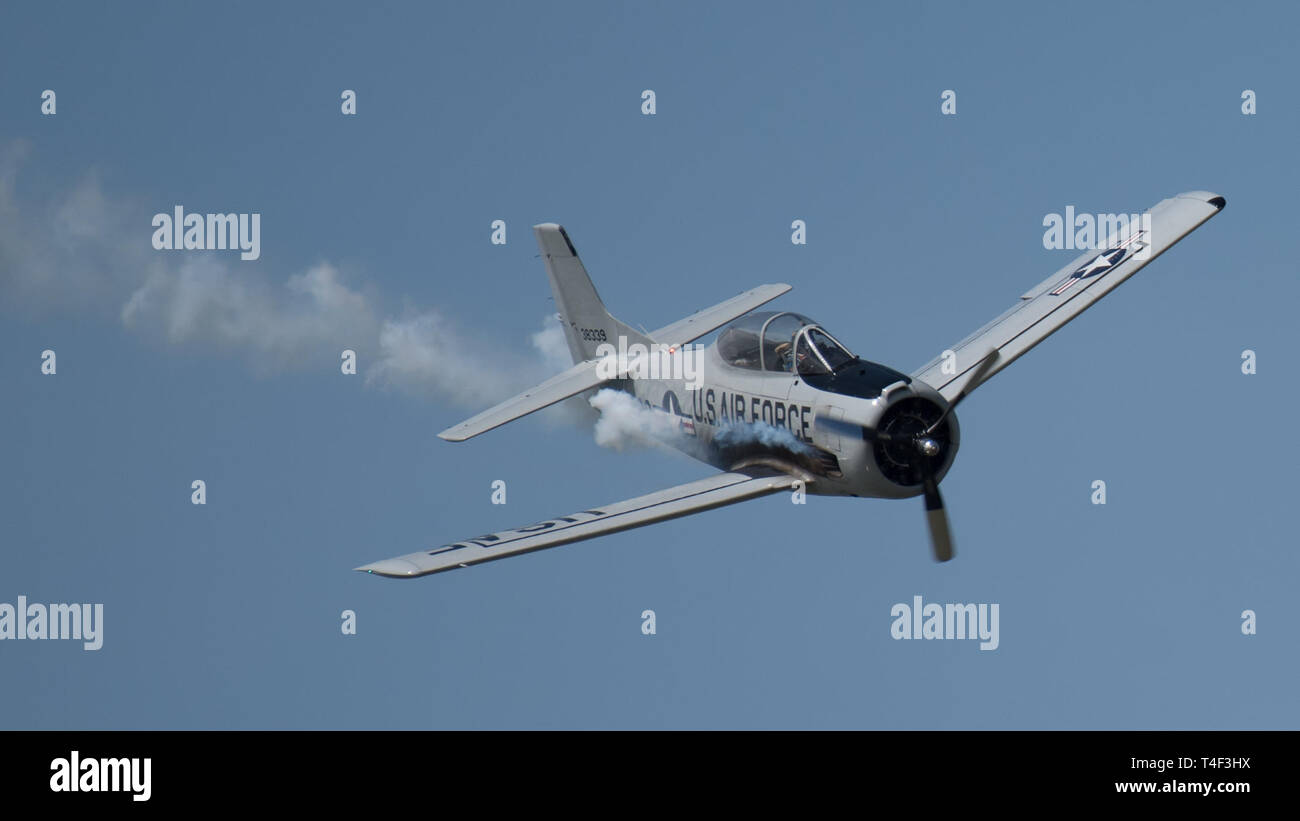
981,371
937,518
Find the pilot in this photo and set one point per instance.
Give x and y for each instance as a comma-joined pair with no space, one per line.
787,361
782,352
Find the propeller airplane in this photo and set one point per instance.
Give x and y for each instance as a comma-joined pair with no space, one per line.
780,404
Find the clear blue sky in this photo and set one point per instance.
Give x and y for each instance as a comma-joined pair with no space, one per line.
177,366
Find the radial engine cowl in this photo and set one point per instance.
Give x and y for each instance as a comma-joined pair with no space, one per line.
899,453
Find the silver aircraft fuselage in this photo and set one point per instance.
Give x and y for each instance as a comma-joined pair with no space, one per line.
822,424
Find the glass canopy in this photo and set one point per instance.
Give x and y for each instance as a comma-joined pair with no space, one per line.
781,341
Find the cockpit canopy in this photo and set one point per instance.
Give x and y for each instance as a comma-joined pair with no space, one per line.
781,341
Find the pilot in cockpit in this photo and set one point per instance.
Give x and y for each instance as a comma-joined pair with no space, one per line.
786,360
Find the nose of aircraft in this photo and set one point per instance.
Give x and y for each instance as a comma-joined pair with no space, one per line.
912,442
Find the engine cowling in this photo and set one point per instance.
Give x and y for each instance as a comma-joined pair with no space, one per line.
896,459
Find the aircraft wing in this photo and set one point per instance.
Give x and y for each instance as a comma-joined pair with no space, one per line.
575,380
1068,292
715,491
710,319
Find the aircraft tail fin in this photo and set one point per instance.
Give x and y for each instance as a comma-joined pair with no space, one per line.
587,323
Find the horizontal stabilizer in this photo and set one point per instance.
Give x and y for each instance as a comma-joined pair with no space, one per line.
579,378
710,319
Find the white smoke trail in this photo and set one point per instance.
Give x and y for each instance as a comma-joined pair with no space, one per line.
85,251
624,422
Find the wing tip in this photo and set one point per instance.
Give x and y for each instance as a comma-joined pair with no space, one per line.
1208,197
390,568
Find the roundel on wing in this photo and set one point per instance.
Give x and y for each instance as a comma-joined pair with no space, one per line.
1101,263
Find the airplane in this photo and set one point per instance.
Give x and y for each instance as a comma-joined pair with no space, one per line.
780,404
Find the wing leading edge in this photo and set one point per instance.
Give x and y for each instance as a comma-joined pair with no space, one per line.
705,494
1064,295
